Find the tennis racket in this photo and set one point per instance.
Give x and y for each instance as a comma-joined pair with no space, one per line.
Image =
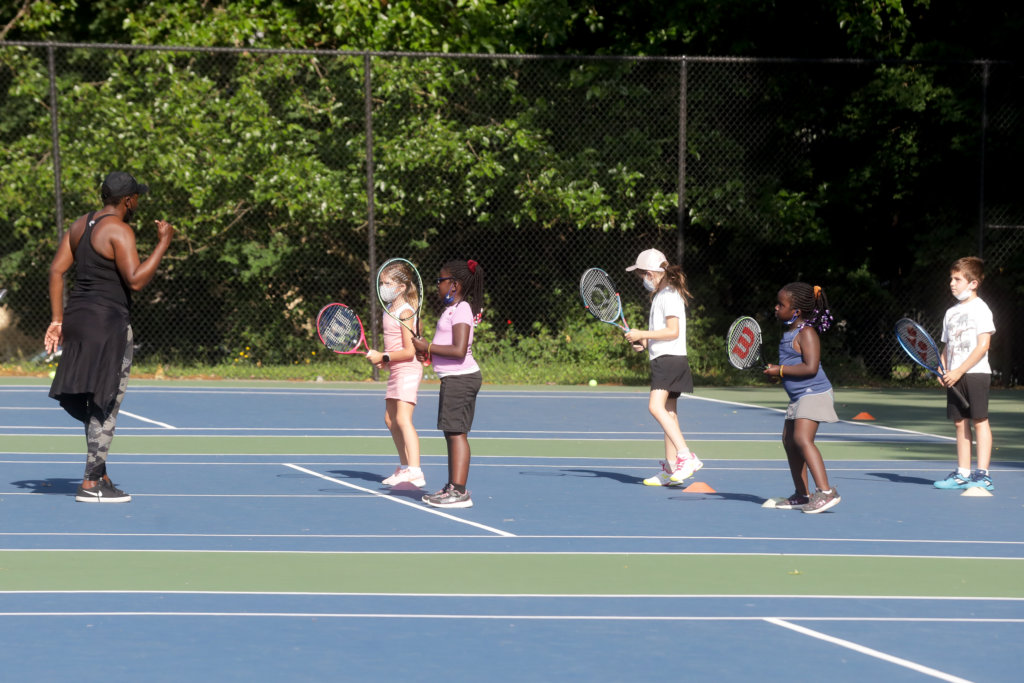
340,329
398,278
922,350
744,344
601,298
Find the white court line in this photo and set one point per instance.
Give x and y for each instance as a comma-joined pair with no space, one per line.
551,617
913,666
414,506
146,419
560,596
564,537
602,553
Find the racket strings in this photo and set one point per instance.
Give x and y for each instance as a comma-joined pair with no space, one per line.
918,343
404,273
599,296
745,344
339,330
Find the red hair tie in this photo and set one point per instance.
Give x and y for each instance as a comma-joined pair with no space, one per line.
471,264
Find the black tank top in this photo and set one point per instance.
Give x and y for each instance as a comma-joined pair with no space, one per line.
96,277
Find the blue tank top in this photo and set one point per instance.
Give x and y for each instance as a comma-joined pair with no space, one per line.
800,386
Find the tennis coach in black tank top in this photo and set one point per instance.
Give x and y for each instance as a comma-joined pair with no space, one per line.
94,329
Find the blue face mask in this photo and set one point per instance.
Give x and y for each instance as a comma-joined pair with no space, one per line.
449,298
792,320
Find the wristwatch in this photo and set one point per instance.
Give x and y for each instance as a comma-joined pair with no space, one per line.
385,357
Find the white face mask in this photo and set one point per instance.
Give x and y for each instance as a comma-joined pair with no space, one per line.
964,295
389,293
649,284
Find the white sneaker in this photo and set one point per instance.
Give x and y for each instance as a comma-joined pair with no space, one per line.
393,479
662,478
408,475
686,468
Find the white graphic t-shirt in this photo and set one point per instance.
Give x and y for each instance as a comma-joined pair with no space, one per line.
960,329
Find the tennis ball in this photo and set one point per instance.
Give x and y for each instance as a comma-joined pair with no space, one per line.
53,373
592,382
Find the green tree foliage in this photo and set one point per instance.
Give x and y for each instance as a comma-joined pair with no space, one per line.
833,173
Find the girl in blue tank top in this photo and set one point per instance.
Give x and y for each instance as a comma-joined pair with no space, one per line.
803,309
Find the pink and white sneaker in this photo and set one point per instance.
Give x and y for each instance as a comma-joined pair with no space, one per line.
410,475
393,479
686,468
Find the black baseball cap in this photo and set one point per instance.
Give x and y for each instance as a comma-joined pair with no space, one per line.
121,184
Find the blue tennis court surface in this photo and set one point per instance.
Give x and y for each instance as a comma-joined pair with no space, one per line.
359,412
235,563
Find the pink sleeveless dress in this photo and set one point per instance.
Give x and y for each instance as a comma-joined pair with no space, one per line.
404,382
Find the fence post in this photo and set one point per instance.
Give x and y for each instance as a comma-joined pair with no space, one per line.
681,214
55,135
981,172
371,224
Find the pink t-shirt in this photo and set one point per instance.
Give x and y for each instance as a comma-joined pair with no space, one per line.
457,314
393,338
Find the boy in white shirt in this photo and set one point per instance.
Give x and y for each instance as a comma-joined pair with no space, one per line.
967,331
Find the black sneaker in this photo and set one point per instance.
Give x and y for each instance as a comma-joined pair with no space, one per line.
821,501
449,497
103,492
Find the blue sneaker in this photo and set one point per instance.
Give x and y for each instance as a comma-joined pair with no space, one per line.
953,481
979,480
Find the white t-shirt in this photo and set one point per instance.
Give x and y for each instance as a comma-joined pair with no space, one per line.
960,329
667,304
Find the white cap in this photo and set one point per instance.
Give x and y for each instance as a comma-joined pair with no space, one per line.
649,260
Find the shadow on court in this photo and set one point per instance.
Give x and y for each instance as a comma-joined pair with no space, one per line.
739,497
374,478
901,479
54,485
601,474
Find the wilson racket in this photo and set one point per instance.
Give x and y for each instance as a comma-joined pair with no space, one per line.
400,292
601,298
922,350
744,344
340,329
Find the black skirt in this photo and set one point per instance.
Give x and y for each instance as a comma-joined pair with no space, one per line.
89,371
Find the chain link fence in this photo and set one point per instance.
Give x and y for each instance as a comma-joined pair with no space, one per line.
291,174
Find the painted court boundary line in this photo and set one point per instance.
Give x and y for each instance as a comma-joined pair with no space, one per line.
861,649
420,508
906,663
567,553
609,537
778,621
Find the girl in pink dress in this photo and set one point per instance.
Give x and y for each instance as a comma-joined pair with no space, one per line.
399,356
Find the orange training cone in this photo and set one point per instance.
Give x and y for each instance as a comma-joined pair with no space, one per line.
698,487
863,416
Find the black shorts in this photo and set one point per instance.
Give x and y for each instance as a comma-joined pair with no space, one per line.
457,402
974,386
671,374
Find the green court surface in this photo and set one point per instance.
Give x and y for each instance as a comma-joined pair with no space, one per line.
510,573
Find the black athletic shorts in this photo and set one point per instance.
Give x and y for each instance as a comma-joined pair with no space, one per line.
671,374
457,402
974,386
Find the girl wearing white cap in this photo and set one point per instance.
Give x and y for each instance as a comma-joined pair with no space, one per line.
665,341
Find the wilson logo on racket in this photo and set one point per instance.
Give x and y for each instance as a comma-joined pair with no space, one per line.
745,343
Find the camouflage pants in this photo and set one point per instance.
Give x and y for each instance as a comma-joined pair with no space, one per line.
99,433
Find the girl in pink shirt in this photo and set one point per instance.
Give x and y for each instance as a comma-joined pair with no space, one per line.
461,286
